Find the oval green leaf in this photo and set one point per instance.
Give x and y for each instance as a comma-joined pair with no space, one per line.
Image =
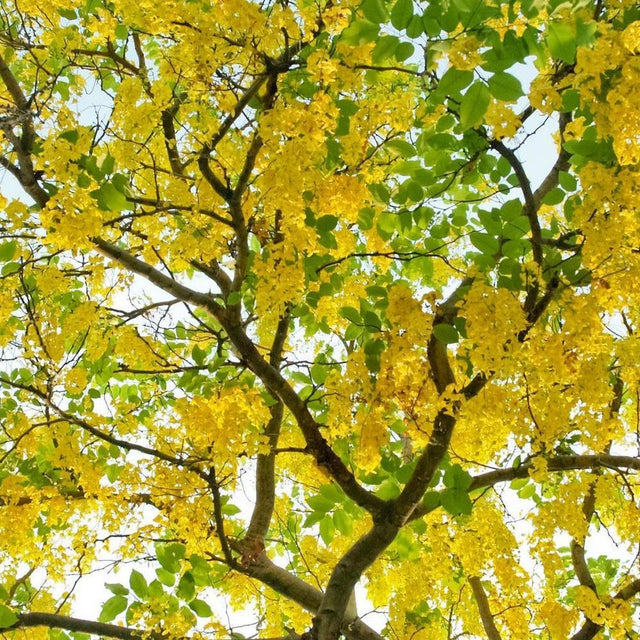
475,103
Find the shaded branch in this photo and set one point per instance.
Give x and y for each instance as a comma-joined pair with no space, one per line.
22,146
561,164
530,205
557,463
305,595
324,455
79,625
578,555
483,607
590,628
554,464
57,621
155,276
265,464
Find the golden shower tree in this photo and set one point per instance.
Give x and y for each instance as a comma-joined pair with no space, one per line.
300,302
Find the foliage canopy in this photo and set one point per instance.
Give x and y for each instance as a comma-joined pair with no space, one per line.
295,298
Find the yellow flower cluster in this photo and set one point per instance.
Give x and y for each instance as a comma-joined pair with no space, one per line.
464,52
224,425
503,121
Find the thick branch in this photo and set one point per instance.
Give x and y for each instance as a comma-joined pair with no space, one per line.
557,463
325,456
305,595
161,280
578,555
483,607
332,613
56,621
388,522
590,628
265,464
445,421
170,140
23,145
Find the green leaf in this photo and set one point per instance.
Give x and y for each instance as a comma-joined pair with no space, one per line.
567,181
431,500
415,28
375,10
113,471
198,354
72,136
456,501
359,32
385,48
475,103
235,297
504,86
404,148
351,314
319,373
485,242
11,267
169,556
456,477
68,14
403,51
138,585
388,489
561,38
342,522
446,333
117,589
320,503
122,32
401,14
327,529
516,248
8,250
110,199
527,491
455,80
332,492
167,578
555,196
186,587
200,608
7,617
326,223
112,607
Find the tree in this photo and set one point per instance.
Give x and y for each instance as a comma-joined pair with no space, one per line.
296,305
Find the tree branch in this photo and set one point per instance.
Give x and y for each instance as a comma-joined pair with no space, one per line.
561,164
483,607
555,464
305,595
56,621
590,628
530,206
325,456
79,625
265,464
101,435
